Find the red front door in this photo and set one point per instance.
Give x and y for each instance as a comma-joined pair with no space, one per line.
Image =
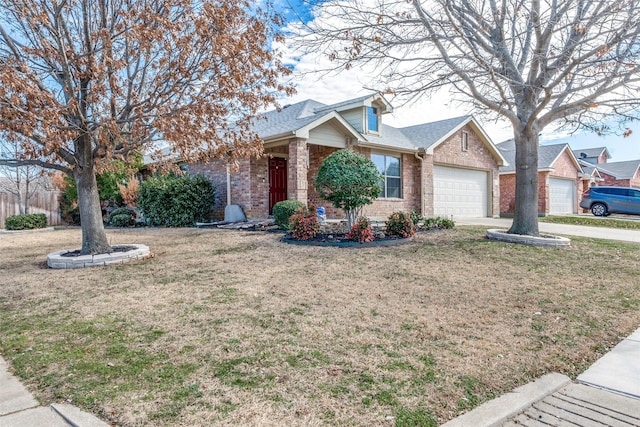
277,181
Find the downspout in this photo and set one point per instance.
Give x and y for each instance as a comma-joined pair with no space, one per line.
422,207
228,185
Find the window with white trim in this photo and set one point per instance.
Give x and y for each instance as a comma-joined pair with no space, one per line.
372,119
465,141
391,170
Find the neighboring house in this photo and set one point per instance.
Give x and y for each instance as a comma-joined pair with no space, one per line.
617,174
595,156
560,180
620,174
449,167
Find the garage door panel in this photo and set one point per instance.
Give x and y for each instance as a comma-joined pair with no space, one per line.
562,196
460,192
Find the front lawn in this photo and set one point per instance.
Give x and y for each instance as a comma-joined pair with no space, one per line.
237,328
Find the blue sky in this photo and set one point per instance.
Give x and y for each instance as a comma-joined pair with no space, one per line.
336,88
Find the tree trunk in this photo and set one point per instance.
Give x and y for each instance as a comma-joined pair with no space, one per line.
94,238
525,218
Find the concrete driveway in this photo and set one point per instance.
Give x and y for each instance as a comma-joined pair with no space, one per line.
561,229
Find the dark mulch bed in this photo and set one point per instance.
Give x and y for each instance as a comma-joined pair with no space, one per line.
340,239
119,248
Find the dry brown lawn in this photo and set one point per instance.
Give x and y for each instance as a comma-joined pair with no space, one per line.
238,328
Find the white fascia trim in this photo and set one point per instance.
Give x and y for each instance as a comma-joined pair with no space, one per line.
303,132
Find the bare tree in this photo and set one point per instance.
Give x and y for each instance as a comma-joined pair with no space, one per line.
84,82
22,182
532,62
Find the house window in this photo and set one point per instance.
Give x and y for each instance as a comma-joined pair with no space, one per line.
390,168
372,119
465,141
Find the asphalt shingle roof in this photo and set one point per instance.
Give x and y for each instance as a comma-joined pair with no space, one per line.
589,152
294,117
288,119
620,170
547,154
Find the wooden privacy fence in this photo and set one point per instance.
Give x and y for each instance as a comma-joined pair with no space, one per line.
42,201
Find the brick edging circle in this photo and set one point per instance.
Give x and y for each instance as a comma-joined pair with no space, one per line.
542,240
57,260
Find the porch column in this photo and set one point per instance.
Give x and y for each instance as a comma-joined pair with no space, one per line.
297,183
427,188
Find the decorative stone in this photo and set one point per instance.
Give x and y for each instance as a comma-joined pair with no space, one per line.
541,240
234,213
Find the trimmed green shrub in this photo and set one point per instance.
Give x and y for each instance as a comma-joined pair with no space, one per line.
349,181
283,210
175,201
438,223
304,223
123,211
25,222
361,231
415,218
400,224
122,220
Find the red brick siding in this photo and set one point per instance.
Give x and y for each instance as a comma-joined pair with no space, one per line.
563,167
381,207
216,172
612,181
507,194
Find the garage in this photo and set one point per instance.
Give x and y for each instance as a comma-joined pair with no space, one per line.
460,192
562,196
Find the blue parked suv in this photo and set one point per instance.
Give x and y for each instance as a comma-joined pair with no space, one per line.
603,201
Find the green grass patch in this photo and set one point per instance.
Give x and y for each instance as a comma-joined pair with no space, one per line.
592,221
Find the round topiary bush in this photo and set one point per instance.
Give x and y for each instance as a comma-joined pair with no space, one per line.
283,210
349,181
120,213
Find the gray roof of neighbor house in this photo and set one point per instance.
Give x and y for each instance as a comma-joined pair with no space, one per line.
620,170
587,168
547,155
591,152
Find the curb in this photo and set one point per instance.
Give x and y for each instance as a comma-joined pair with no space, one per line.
75,417
497,411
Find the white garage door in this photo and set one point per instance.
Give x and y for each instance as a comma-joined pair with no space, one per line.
460,192
562,196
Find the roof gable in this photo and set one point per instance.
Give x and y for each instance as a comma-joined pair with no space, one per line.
547,156
621,170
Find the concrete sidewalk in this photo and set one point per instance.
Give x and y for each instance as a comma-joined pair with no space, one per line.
606,394
18,408
564,229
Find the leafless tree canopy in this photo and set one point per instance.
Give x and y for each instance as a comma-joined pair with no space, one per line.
531,62
526,60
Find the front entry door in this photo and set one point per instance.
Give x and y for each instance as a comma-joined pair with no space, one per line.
277,181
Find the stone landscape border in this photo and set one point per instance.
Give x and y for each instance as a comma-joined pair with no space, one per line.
541,240
58,260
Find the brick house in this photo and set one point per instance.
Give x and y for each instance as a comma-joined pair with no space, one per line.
617,174
620,174
449,167
560,180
